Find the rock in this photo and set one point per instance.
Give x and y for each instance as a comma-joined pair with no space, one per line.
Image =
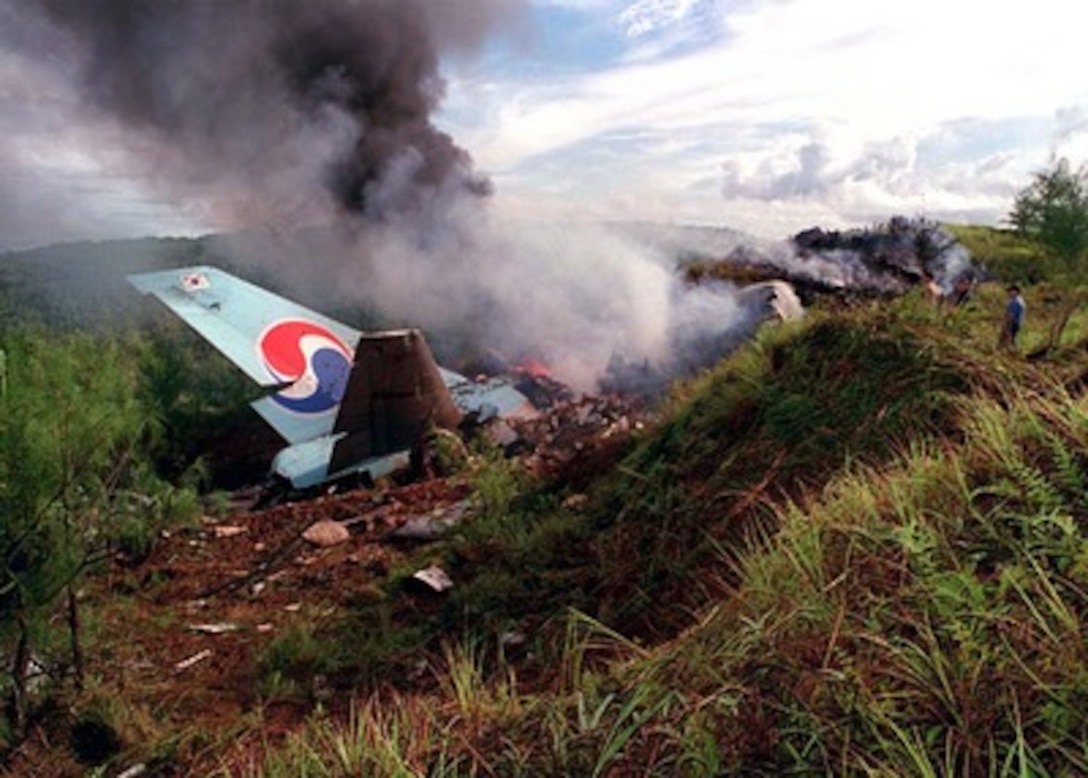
326,533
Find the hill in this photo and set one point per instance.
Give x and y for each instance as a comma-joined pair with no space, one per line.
856,545
82,284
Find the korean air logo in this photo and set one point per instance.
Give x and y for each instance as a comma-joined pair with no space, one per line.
312,359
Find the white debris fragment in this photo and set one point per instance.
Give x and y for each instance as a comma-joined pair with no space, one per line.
434,577
512,639
196,658
575,501
229,531
502,434
214,629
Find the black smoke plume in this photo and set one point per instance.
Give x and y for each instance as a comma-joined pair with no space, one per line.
280,94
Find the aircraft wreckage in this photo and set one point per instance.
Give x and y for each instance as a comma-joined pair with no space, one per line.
353,404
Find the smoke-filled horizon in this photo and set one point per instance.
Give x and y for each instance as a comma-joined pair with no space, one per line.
324,109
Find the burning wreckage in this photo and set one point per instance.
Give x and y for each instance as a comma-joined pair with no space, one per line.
883,261
358,406
349,404
693,345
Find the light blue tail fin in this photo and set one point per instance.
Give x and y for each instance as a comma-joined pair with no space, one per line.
305,356
347,402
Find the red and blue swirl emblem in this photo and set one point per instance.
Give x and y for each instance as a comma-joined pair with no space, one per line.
312,359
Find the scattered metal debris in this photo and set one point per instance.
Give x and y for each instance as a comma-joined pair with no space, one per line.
434,578
433,525
573,425
214,629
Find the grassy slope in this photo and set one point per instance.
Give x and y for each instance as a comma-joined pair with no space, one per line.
857,547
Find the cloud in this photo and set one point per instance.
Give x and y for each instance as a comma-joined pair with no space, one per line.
63,176
960,170
647,16
860,107
49,191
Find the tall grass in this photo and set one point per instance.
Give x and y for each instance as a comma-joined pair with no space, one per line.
925,618
390,737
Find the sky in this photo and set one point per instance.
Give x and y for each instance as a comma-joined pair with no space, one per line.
774,115
767,116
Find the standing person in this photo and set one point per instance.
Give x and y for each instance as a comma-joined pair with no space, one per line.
1014,317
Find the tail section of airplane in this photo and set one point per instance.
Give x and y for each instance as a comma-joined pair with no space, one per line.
261,332
347,402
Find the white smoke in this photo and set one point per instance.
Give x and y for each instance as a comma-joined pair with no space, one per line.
571,294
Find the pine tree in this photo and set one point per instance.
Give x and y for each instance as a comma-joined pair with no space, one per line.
70,427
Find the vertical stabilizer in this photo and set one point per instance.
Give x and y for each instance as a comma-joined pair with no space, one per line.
394,394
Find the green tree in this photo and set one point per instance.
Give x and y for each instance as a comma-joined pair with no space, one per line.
1053,211
72,479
